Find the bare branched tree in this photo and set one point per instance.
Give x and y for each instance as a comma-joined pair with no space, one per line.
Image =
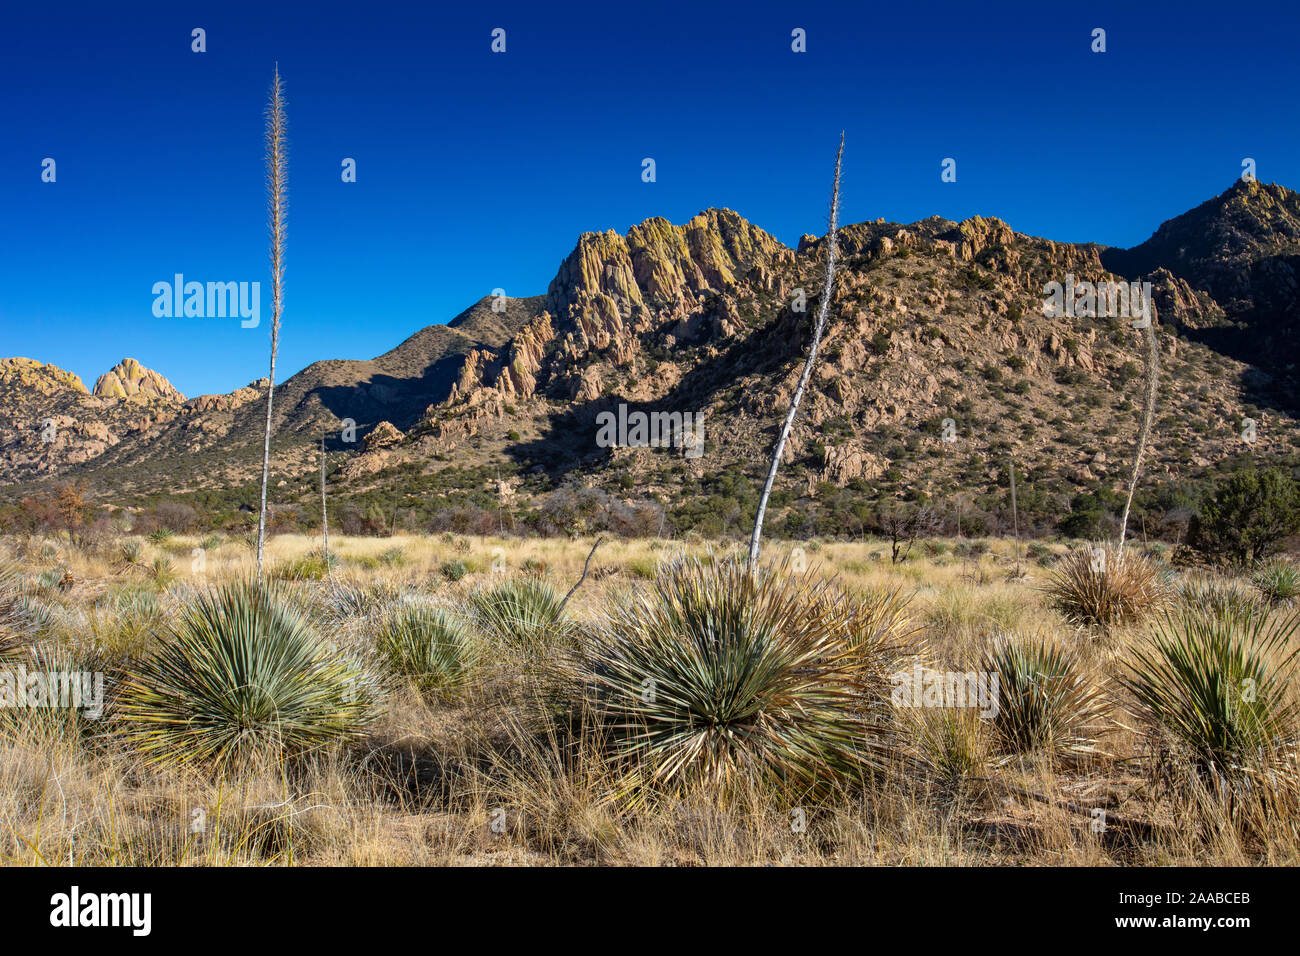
585,568
277,197
823,308
1152,387
903,525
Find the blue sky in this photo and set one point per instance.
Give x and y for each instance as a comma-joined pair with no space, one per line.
478,170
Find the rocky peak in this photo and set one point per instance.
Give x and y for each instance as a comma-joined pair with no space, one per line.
1245,222
656,266
129,378
29,374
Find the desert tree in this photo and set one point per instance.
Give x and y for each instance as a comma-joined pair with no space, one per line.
1151,386
903,524
277,196
823,308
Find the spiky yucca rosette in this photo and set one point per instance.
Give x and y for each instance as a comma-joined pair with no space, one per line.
715,676
524,614
1214,686
428,645
1106,586
243,672
1046,701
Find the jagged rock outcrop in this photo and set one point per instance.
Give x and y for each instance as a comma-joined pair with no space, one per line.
932,321
228,403
31,375
382,436
1241,250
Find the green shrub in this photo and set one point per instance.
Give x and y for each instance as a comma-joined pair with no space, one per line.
643,567
430,645
1041,553
1246,517
309,567
242,673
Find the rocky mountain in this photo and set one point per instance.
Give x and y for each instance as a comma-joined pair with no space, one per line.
939,367
50,422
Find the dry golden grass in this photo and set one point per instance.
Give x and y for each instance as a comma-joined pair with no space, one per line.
477,777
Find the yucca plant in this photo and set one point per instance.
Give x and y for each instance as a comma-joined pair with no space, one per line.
1278,582
1045,701
23,616
427,644
243,673
1106,586
879,616
343,601
120,624
1216,685
74,691
523,613
454,569
163,571
1212,596
715,675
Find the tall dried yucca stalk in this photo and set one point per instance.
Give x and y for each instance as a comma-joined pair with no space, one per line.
823,308
1152,385
324,513
277,199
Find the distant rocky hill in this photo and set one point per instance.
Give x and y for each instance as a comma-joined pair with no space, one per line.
128,377
1242,249
937,331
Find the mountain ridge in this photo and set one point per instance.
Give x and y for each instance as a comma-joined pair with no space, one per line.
933,320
